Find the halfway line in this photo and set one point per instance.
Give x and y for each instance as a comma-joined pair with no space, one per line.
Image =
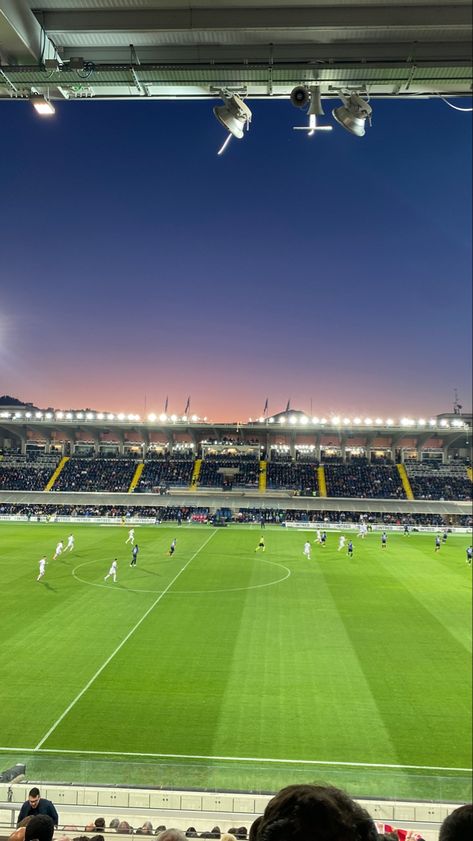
112,655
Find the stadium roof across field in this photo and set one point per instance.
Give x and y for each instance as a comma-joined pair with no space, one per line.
155,49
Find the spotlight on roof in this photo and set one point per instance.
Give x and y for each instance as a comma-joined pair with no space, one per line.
42,105
353,114
234,115
315,110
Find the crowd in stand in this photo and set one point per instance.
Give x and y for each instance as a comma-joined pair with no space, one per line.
196,514
96,474
362,481
24,478
356,479
432,481
304,812
296,475
165,471
246,473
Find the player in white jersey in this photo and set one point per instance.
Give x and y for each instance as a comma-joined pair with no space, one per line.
341,542
112,573
307,549
131,537
42,568
362,530
319,536
70,543
59,549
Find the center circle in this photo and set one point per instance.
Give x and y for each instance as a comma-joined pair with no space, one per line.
118,586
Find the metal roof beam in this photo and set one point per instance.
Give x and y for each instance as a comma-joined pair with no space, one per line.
21,35
243,19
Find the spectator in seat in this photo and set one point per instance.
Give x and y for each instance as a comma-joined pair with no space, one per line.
114,823
37,805
124,828
145,829
315,812
40,828
459,825
171,835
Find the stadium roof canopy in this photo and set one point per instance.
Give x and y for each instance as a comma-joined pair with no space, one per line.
173,49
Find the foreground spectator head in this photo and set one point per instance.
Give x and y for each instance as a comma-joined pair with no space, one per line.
114,823
99,824
227,836
145,829
191,832
459,825
40,827
124,828
171,835
315,812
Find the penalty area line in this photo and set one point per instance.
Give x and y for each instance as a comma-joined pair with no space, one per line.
312,762
119,646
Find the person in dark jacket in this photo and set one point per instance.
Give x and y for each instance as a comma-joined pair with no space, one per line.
37,805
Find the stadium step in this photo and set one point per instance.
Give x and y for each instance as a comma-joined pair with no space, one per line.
136,477
195,474
405,481
469,471
262,477
56,473
321,480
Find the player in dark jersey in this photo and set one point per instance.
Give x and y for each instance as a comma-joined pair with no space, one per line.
350,549
469,554
172,547
134,555
384,540
437,543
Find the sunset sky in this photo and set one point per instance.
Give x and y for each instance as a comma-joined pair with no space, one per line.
135,264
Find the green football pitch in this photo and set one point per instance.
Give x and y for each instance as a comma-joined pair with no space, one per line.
221,667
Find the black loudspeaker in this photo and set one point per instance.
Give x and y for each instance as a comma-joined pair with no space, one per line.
300,96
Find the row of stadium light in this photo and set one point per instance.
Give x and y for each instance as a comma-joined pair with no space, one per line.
301,420
344,422
100,416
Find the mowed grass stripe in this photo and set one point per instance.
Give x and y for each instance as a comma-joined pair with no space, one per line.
293,665
406,652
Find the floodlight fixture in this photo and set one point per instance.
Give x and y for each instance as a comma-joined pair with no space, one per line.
389,422
336,419
346,421
315,420
42,105
432,422
163,417
379,421
352,115
421,421
357,421
234,115
368,422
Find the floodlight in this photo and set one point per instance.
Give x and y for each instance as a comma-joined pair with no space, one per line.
323,420
69,415
89,416
389,422
315,420
121,416
59,415
49,415
79,416
432,422
39,414
194,418
336,419
27,414
131,417
346,421
368,422
234,115
42,105
174,418
100,416
421,421
379,421
163,417
282,419
357,421
292,419
110,417
352,115
152,417
303,420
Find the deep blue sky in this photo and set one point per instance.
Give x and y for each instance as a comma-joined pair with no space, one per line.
135,262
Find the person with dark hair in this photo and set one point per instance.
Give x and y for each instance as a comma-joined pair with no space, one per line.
40,828
458,826
37,805
171,835
321,813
